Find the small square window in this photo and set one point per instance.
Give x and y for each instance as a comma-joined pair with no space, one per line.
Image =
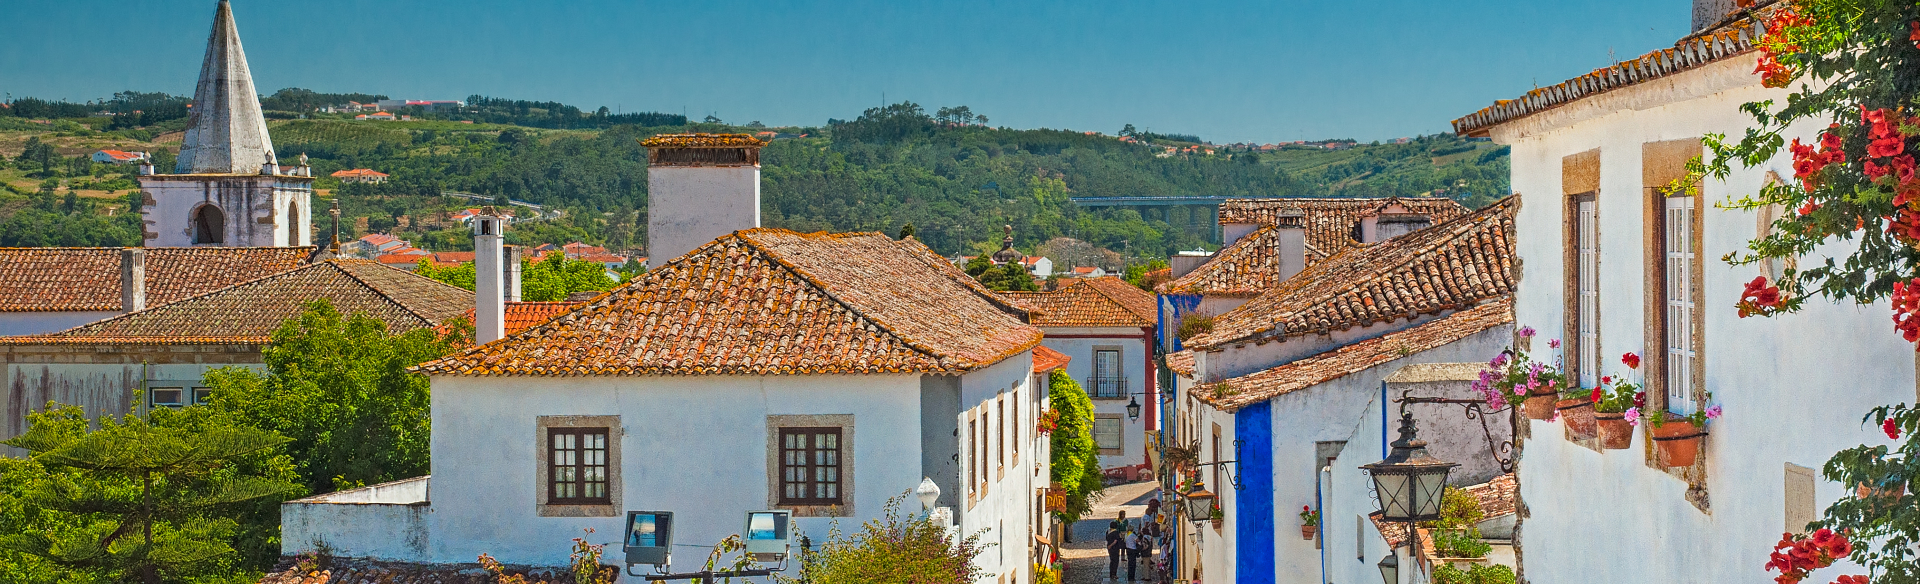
165,397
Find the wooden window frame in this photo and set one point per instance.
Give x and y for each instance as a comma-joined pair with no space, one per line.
1117,374
810,470
580,466
544,506
1657,158
1580,231
1000,437
848,463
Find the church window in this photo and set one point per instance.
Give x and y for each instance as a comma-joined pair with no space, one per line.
209,225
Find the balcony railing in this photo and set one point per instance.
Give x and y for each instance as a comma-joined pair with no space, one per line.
1107,387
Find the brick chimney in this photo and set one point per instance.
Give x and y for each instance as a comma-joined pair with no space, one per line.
1290,228
699,188
489,295
1707,13
133,279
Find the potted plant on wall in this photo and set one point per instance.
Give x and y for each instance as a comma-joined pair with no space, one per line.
1512,375
1678,437
1612,400
1575,410
1309,522
1219,518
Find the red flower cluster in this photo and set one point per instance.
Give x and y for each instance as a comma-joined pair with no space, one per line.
1906,309
1807,162
1797,555
1851,580
1772,72
1915,34
1892,428
1595,397
1631,360
1759,298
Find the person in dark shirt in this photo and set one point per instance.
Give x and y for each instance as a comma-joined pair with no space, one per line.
1116,544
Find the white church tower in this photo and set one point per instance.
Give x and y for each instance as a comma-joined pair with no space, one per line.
228,189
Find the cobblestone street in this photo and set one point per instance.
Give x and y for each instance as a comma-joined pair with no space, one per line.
1086,555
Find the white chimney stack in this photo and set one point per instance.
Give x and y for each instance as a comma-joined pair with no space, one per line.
1290,228
512,275
489,295
133,279
699,187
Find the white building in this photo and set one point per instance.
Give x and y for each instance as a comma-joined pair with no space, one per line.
228,189
1590,156
817,373
1105,325
1282,380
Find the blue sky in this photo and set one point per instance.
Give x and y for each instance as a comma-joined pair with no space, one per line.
1225,70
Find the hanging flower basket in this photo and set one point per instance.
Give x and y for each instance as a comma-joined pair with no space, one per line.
1616,433
1577,414
1679,442
1540,404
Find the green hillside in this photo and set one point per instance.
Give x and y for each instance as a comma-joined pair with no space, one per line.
956,183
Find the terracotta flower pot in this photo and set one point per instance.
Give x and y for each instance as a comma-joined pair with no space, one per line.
1539,406
1679,442
1577,413
1307,531
1615,432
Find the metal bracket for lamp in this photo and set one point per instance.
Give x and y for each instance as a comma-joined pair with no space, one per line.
1231,479
1502,450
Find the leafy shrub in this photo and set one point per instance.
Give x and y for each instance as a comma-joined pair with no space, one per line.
895,547
1194,324
1457,543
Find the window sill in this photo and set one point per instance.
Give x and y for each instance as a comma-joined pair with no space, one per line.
563,510
818,510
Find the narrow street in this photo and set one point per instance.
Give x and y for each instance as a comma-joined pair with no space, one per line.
1086,556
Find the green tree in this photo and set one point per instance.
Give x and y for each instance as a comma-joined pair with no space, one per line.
1076,458
551,278
136,499
1005,277
338,387
906,231
895,547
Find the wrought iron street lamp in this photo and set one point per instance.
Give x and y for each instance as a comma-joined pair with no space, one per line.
1200,505
1133,408
1409,481
1390,568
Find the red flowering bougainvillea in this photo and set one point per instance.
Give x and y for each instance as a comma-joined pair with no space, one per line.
1797,556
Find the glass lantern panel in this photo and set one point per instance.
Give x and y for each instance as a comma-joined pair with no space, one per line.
1429,489
1396,497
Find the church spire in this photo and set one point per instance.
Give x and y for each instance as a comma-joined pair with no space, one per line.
226,134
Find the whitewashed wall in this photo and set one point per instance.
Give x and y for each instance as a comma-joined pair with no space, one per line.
1794,388
1134,362
1002,515
256,209
35,323
688,206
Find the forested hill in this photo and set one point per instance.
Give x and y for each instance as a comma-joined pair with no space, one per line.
956,182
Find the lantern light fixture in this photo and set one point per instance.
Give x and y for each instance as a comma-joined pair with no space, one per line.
1133,408
1409,481
1390,568
1200,505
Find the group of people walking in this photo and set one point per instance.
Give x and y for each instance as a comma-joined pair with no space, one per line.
1135,543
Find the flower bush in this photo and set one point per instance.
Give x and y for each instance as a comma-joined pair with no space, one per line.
1309,517
1797,556
1624,397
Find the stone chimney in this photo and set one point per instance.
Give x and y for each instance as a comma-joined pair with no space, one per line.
512,275
699,187
1290,253
1707,13
1390,225
489,296
133,279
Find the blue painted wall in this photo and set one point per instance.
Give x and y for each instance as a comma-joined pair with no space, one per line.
1253,516
1172,307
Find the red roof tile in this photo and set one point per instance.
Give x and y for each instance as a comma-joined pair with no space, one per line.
1181,362
1300,374
701,140
1045,359
1094,302
61,279
1250,266
250,311
1453,265
525,315
1735,39
772,302
357,172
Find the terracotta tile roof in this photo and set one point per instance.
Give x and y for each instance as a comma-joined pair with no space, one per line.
1106,301
357,172
58,279
452,257
1733,39
1181,362
250,311
772,302
1321,368
702,140
1453,265
1045,359
525,315
1248,266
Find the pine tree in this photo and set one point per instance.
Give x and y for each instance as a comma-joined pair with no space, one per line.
135,500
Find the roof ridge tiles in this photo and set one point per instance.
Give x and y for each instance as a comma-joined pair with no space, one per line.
816,282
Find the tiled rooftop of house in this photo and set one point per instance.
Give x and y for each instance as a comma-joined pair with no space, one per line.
45,279
1733,39
1233,394
1045,359
1249,265
1094,302
1453,265
249,312
521,316
1181,362
700,140
773,302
